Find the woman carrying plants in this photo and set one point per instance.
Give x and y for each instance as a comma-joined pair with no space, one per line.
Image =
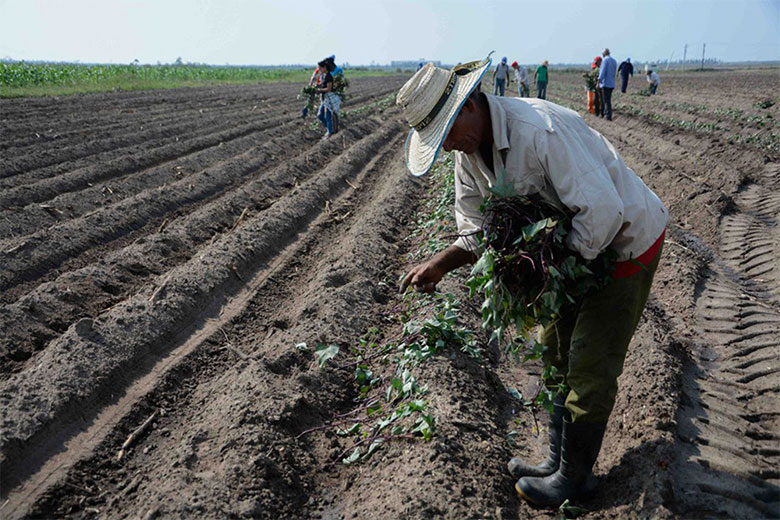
340,84
330,101
536,149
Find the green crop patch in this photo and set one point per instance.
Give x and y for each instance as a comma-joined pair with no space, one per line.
18,79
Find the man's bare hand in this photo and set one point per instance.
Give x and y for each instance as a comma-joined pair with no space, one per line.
426,275
423,277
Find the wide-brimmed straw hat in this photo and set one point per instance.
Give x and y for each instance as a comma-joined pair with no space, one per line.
430,100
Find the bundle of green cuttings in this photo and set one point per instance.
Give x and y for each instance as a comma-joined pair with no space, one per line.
309,93
526,275
591,79
340,85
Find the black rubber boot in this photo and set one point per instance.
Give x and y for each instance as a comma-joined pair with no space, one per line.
579,449
519,468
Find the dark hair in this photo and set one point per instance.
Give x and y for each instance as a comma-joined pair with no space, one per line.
330,65
323,63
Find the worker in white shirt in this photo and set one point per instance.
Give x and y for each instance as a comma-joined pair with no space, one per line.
549,151
654,80
521,77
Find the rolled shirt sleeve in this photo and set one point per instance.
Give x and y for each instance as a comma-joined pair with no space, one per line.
468,200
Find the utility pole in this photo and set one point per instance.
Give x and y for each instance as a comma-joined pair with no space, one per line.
703,46
685,54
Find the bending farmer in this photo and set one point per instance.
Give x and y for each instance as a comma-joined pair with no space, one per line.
549,151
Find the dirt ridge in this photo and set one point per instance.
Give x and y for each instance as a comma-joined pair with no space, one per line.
141,325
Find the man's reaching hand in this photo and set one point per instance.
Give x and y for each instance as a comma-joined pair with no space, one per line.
426,275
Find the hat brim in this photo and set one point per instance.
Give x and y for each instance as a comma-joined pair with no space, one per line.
422,147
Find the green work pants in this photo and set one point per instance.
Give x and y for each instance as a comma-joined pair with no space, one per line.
588,344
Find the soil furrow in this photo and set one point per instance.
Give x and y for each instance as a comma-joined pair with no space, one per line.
56,113
265,290
46,311
121,122
74,204
129,161
142,324
112,148
43,165
148,131
35,256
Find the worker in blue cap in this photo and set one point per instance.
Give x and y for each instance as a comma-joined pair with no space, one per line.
337,70
501,77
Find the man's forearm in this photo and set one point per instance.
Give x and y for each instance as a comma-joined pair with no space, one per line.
452,258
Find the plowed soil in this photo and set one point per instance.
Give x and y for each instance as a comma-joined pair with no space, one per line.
163,253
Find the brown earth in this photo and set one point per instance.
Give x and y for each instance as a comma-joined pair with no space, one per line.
163,253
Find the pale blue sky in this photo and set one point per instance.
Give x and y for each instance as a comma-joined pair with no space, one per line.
274,32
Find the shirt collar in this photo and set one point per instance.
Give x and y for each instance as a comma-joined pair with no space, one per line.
498,122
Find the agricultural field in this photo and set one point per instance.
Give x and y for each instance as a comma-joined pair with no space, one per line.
200,313
22,79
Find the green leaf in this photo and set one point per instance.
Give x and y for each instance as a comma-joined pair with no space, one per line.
373,447
570,511
503,188
325,352
352,458
373,408
426,426
355,428
363,374
530,231
483,265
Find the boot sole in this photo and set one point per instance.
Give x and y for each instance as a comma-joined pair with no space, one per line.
524,496
590,487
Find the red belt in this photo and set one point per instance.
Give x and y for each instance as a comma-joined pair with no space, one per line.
633,266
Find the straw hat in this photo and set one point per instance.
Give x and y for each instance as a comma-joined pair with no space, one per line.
430,100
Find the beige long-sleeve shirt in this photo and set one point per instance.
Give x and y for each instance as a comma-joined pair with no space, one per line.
549,150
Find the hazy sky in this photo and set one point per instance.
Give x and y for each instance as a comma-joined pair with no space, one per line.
364,31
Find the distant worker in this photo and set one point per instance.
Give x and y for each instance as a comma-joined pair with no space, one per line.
330,101
314,81
339,84
654,80
337,71
625,69
420,65
540,76
598,102
521,77
607,74
501,77
595,105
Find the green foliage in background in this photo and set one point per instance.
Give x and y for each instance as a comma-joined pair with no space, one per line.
33,79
